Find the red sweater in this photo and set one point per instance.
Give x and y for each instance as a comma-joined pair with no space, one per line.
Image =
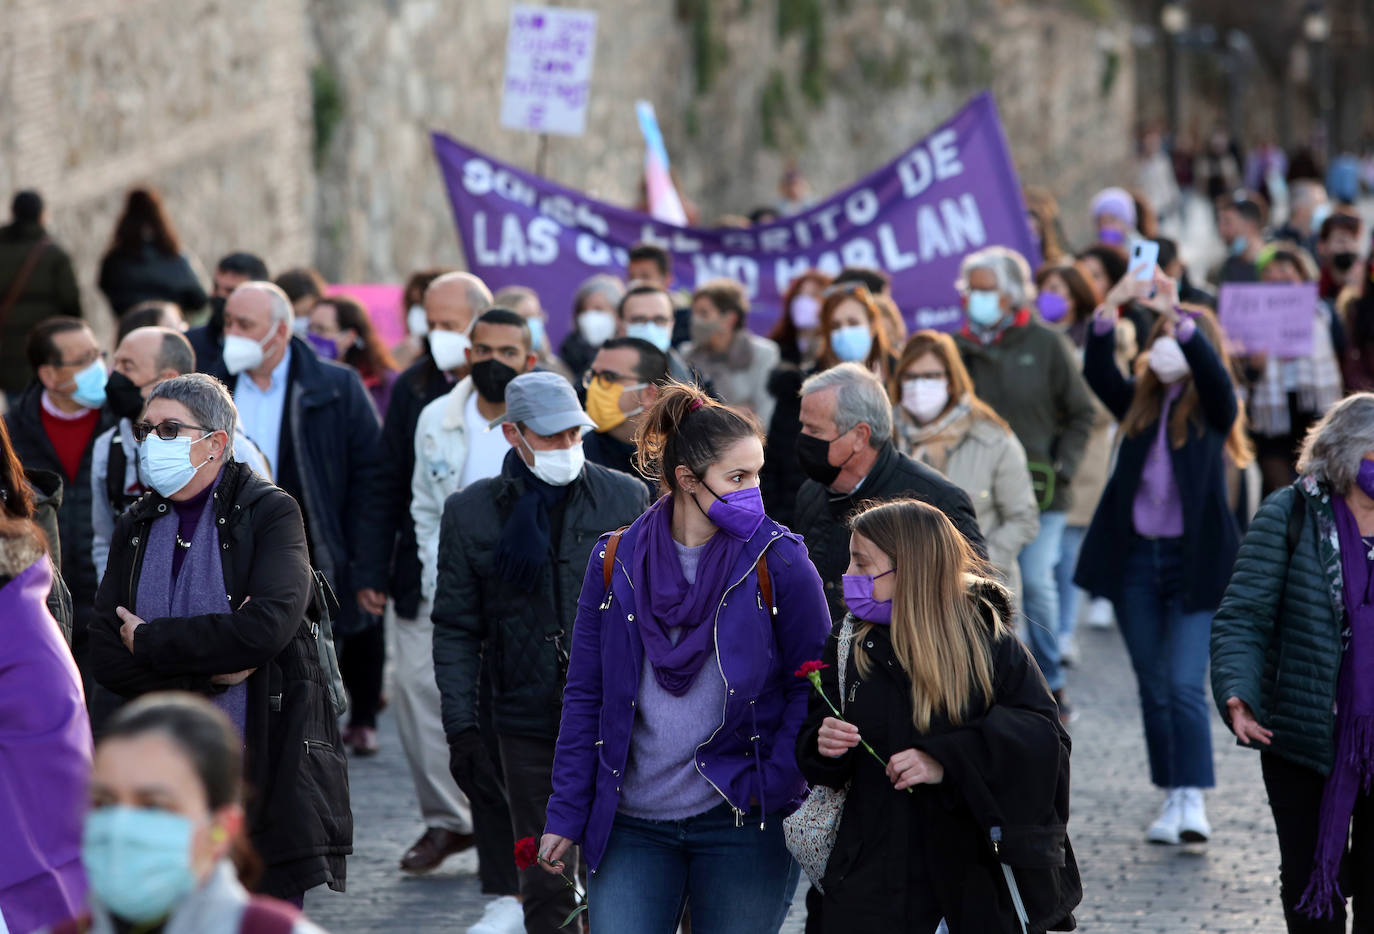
70,438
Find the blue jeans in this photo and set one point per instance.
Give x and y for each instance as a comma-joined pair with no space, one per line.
1069,546
1169,652
1040,595
739,880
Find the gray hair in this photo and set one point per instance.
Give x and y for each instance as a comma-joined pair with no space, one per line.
604,284
206,399
282,309
175,352
475,291
1335,445
860,399
1011,269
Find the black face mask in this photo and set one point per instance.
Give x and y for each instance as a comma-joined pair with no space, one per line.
814,456
124,398
1341,262
490,377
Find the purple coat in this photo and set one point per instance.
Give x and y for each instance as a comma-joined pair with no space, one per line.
751,757
45,759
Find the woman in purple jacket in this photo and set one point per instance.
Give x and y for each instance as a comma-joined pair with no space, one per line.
674,766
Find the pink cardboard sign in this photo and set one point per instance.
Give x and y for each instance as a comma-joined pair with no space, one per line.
383,304
1269,317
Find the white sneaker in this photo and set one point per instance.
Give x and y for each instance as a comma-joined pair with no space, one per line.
1068,649
501,916
1192,826
1099,613
1165,829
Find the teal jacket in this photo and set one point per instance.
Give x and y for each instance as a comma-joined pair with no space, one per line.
1277,639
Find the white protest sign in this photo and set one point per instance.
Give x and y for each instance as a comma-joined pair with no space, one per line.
548,69
1269,317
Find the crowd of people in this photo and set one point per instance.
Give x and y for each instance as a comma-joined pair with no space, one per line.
665,604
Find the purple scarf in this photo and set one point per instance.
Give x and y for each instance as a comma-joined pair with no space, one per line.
666,602
197,588
1353,771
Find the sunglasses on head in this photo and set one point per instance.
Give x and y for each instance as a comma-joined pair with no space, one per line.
165,430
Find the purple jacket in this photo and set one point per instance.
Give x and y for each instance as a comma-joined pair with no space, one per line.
45,759
751,757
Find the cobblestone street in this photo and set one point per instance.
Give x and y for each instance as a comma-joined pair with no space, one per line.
1228,885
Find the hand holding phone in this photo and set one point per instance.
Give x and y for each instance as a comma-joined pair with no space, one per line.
1144,257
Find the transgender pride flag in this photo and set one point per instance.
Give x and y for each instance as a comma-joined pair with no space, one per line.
664,203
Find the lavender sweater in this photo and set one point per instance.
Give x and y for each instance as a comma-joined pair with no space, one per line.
661,778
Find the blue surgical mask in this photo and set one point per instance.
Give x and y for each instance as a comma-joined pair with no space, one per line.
656,334
1319,215
853,343
984,308
1238,245
90,385
537,335
166,465
138,861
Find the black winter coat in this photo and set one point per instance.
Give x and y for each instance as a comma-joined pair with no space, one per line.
904,860
782,474
1211,536
298,804
148,275
822,516
329,458
389,559
35,451
47,500
525,637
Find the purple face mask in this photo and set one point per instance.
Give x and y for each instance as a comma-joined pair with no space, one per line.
1053,306
738,514
1111,236
858,596
323,346
1365,478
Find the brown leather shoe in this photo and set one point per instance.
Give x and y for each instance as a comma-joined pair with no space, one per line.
434,846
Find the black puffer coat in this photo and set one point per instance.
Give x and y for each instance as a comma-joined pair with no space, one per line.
526,637
149,275
298,805
903,859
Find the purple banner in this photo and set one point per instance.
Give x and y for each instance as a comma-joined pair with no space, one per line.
954,192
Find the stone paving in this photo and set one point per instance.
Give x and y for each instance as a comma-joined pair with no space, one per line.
1227,885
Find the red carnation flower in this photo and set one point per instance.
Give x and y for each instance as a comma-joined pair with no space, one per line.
809,668
526,853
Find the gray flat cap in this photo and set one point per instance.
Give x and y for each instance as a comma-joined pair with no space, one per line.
544,402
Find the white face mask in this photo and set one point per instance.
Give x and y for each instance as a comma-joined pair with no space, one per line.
925,399
558,467
806,312
596,327
449,349
417,325
1167,360
243,353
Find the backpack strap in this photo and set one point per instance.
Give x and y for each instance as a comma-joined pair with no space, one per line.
765,583
264,915
608,557
21,278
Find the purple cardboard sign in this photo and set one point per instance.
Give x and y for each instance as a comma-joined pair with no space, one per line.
954,192
1269,317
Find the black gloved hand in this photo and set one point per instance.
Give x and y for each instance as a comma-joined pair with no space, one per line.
471,767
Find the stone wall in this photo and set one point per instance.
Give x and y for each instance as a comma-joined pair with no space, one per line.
205,99
736,94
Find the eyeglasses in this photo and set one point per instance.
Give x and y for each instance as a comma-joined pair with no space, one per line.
167,430
607,378
85,361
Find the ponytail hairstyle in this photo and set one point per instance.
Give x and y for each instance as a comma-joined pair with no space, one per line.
687,428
